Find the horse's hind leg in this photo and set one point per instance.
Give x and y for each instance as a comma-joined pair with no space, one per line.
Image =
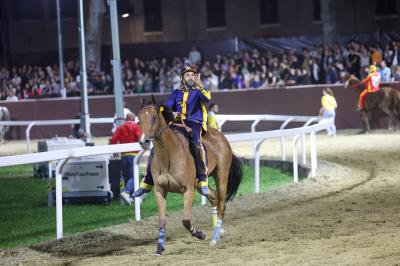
212,197
390,114
188,198
364,118
161,196
222,183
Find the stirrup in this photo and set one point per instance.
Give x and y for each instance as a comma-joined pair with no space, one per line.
140,192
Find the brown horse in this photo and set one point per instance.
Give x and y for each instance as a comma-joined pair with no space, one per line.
173,169
386,99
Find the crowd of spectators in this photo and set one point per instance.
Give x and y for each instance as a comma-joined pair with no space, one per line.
250,69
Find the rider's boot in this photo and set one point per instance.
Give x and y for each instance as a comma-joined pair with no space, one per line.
146,185
201,169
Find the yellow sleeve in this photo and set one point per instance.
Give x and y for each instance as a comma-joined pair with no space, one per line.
206,93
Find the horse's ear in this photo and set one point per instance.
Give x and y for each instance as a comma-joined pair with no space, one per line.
153,99
141,102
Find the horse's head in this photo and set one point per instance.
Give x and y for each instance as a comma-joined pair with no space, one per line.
153,120
352,82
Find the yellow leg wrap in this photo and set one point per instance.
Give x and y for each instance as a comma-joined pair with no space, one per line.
145,185
203,183
214,216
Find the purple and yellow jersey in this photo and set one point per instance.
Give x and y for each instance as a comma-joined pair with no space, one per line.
190,104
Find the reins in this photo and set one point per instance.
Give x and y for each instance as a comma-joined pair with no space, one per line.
158,133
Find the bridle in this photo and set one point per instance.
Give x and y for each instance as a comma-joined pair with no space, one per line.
157,133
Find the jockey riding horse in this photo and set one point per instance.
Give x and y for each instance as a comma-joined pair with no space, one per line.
188,105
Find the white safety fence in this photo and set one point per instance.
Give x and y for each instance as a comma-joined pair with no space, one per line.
30,124
221,119
62,156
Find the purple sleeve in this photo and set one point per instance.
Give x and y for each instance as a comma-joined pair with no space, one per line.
171,101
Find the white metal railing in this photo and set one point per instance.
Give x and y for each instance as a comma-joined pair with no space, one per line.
64,155
30,124
221,119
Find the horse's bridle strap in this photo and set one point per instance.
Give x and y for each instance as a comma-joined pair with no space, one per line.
158,134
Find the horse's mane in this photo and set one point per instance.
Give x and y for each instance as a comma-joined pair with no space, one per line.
166,113
164,110
352,80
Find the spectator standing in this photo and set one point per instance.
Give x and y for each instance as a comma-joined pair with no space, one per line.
11,96
194,56
386,73
211,117
129,132
364,58
332,75
328,108
126,112
354,63
395,58
397,74
237,81
376,55
225,82
256,82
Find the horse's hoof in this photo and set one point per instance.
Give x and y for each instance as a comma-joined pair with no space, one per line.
199,235
213,242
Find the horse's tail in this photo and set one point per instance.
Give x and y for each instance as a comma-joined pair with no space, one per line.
6,117
234,178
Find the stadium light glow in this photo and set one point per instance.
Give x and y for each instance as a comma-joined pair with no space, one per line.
125,15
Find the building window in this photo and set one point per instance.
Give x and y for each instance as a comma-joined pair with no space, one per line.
269,13
216,14
317,10
386,8
152,16
69,9
27,10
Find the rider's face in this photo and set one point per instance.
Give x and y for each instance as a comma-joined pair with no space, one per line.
189,78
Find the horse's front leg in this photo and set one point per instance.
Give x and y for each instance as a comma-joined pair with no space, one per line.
188,198
161,198
364,118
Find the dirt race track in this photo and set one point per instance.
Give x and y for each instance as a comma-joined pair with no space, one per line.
348,215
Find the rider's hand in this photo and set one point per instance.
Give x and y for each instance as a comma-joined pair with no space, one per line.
197,80
176,114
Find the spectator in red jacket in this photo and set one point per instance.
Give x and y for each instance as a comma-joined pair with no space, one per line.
129,132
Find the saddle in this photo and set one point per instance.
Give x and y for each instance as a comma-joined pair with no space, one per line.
170,119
